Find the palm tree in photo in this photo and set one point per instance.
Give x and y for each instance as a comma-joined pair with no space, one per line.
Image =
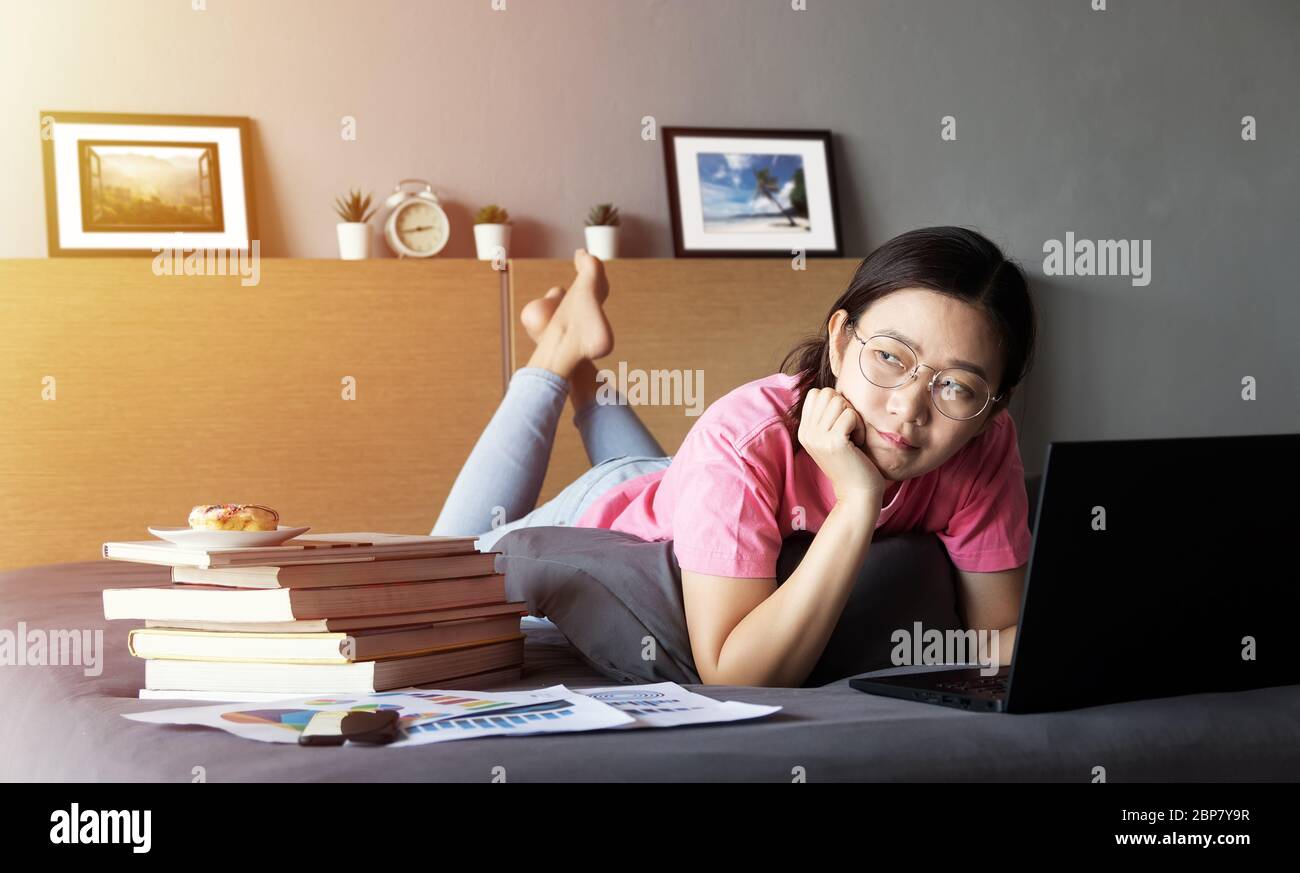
798,194
766,184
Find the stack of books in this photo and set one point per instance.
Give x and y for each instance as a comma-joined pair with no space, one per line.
320,614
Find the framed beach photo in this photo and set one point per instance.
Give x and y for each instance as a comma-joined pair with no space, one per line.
750,193
120,184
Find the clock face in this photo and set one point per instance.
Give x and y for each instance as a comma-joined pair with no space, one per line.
420,228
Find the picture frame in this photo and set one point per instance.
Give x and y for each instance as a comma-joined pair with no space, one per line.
751,192
127,184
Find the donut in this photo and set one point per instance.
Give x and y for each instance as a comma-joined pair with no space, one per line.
233,516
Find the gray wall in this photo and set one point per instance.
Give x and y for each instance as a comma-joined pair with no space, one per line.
1122,124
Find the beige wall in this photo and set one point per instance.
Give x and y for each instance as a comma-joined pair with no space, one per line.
538,107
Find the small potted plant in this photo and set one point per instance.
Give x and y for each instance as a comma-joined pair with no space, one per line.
602,231
354,232
491,229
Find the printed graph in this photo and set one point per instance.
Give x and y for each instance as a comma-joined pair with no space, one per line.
470,704
642,701
525,716
295,719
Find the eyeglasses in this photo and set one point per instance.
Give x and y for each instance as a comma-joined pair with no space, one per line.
890,363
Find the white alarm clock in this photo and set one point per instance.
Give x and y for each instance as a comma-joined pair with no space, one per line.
416,226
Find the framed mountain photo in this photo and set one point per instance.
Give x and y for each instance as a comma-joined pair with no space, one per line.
118,184
748,193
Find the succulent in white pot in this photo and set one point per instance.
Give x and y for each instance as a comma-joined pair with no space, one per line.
492,232
602,231
354,229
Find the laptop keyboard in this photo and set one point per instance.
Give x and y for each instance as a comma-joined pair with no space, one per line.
982,685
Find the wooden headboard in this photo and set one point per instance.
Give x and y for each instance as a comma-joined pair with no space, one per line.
170,391
733,319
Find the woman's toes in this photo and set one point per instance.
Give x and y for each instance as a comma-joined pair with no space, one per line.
585,263
591,274
536,314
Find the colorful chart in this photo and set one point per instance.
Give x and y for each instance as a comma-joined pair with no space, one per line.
293,719
470,703
523,716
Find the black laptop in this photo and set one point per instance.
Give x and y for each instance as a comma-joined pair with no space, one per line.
1189,582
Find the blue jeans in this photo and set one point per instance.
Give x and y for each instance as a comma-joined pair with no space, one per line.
497,489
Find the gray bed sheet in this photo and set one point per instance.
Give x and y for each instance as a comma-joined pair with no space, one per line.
60,725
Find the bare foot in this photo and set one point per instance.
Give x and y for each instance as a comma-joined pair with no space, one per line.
583,381
577,330
536,314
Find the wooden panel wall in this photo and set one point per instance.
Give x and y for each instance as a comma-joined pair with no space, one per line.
734,319
172,391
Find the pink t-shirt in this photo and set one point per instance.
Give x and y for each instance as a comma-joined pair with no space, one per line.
736,489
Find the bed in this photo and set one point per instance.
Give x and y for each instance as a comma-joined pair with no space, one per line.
62,725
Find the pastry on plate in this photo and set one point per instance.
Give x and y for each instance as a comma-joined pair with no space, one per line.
234,516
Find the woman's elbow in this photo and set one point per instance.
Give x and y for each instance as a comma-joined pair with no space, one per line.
709,673
712,674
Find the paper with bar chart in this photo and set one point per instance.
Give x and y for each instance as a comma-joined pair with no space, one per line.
544,711
667,704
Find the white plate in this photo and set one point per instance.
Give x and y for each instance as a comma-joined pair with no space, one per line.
226,539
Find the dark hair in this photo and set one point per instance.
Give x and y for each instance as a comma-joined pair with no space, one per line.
950,260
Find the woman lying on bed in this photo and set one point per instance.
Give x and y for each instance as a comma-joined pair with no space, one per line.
893,419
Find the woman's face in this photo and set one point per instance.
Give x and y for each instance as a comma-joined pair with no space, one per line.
940,329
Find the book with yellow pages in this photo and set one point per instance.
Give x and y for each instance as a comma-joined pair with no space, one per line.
163,674
316,648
